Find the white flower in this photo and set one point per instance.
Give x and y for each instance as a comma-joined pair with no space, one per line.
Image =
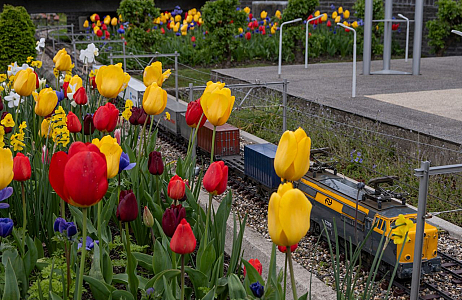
40,44
70,95
13,69
88,55
42,83
13,99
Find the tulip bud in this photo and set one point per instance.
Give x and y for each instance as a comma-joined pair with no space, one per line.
93,82
105,118
127,210
154,99
256,264
88,126
194,114
216,178
80,96
21,167
171,218
73,123
155,163
1,103
257,289
283,249
183,240
45,157
139,116
117,135
176,188
148,219
25,82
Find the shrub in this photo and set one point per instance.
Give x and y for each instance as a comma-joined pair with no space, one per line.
17,40
222,21
449,16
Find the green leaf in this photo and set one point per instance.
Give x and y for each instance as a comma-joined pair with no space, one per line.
53,296
133,281
11,291
122,295
237,244
198,280
252,276
236,289
107,268
161,259
167,290
95,270
99,289
210,295
153,282
144,260
39,247
77,214
205,260
304,297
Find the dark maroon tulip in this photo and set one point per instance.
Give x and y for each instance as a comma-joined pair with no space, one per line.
155,163
171,218
127,210
88,126
139,116
7,129
1,103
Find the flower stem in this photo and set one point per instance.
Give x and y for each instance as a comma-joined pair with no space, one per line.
99,235
213,144
285,277
153,237
182,277
67,250
24,218
133,289
292,278
84,252
141,138
157,179
207,220
63,210
146,142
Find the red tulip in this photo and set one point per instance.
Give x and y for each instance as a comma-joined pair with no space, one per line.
263,32
21,167
108,34
248,35
216,178
171,218
127,210
73,123
176,188
80,96
329,24
168,25
65,86
194,113
88,126
162,30
394,26
105,118
193,39
36,80
155,163
93,82
104,27
250,25
255,23
283,249
250,16
183,240
99,33
96,17
310,17
256,264
79,177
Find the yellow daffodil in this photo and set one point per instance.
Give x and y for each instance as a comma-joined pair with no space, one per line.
62,60
6,167
2,136
112,150
292,159
111,80
240,30
127,113
154,99
17,141
29,59
45,102
247,10
3,77
56,72
263,14
273,29
8,121
346,14
277,14
217,103
25,82
288,215
153,73
317,13
36,64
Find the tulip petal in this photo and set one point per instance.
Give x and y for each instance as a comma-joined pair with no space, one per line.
294,215
221,188
56,173
285,154
274,225
302,160
213,177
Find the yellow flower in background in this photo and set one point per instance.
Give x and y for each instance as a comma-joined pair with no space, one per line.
292,159
189,18
59,131
127,113
107,20
61,136
277,14
3,77
247,10
45,102
217,103
120,18
240,30
324,17
29,59
334,15
56,72
75,80
95,29
154,99
263,14
177,18
346,23
25,82
354,24
288,215
86,24
114,21
192,12
2,136
337,20
273,29
111,80
45,130
6,167
17,141
317,13
153,73
92,17
167,116
340,10
112,150
196,17
36,64
346,14
8,121
377,27
62,60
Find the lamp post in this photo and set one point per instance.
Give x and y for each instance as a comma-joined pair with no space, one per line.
306,38
407,35
353,88
280,43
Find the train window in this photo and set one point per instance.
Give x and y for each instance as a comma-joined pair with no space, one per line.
344,186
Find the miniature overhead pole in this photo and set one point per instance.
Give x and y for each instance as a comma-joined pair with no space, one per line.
306,38
407,36
353,88
280,43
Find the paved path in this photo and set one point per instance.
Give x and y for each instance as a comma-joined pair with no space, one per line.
430,103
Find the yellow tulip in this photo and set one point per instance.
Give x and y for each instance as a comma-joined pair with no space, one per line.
196,17
263,14
85,24
354,25
273,30
340,10
189,18
8,121
217,103
75,80
337,19
184,28
177,18
247,10
153,73
292,159
317,13
45,102
98,23
346,23
95,29
111,80
346,14
6,167
288,215
324,17
112,150
114,21
62,60
277,14
240,30
92,17
45,130
154,99
25,82
334,15
107,20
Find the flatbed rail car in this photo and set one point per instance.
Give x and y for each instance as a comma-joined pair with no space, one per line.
351,204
